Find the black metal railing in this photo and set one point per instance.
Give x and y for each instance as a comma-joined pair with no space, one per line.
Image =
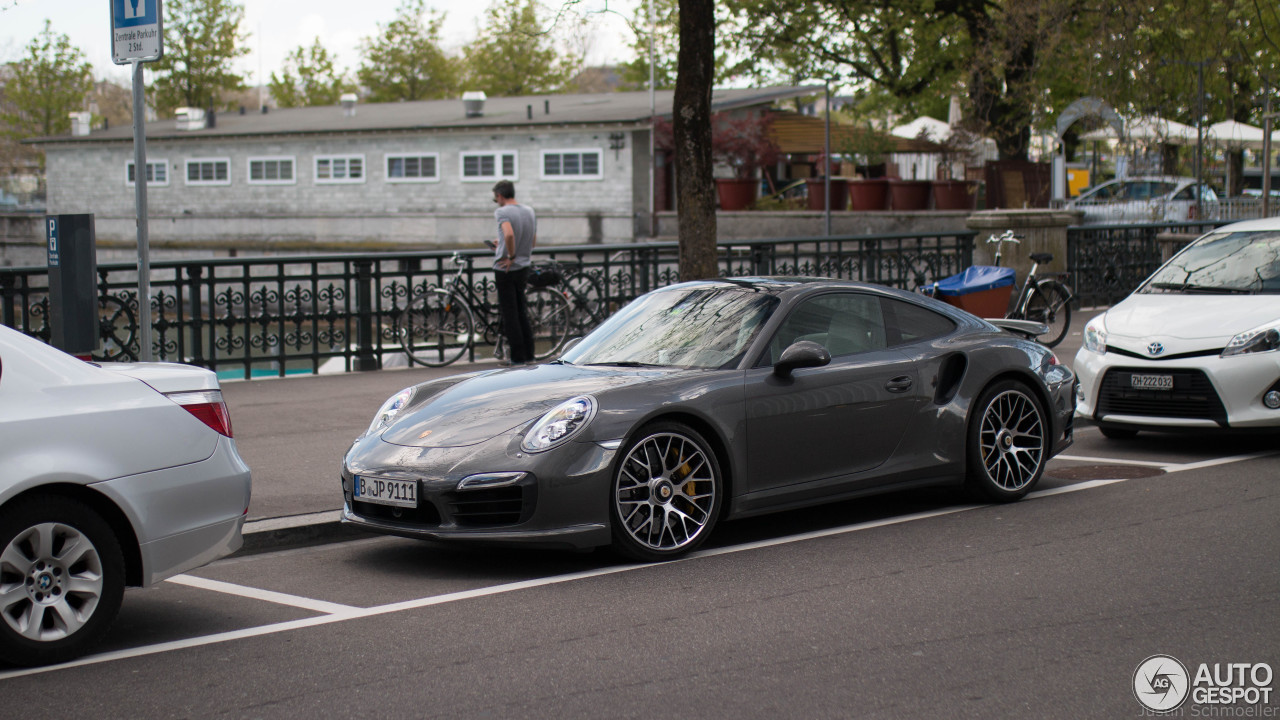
285,315
1107,262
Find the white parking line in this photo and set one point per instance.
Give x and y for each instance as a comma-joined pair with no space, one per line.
1221,461
1111,461
272,596
342,613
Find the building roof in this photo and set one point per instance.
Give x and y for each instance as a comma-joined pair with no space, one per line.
797,133
529,112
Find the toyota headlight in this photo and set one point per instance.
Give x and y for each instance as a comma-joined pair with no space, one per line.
1258,340
560,424
389,410
1095,336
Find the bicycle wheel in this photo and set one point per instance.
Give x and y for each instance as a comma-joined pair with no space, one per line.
436,328
584,297
1050,304
549,317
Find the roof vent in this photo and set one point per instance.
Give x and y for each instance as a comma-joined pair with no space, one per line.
189,118
473,103
348,102
80,122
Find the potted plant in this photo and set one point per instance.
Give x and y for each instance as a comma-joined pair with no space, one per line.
839,187
869,149
745,144
950,193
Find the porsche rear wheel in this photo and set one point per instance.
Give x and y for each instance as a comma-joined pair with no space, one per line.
1008,442
61,580
666,493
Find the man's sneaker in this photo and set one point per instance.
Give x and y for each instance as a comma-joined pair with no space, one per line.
500,354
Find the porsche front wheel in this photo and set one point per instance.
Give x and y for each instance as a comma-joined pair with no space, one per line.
666,493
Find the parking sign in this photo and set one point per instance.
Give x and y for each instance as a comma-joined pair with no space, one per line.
137,31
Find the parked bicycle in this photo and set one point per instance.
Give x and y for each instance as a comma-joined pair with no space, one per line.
1042,300
440,324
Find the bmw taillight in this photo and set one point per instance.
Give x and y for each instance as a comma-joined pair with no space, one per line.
208,407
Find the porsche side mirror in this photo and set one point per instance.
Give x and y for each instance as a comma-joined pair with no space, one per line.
802,354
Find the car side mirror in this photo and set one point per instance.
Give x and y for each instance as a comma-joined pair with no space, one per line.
802,354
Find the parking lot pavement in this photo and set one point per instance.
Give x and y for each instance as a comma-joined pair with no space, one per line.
293,432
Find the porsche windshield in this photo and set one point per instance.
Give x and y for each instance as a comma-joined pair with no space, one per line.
698,327
1237,263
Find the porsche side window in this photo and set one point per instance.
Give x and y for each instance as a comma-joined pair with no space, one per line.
910,323
844,324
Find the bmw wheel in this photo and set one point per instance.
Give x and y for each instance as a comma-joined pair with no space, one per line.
666,493
61,580
1008,442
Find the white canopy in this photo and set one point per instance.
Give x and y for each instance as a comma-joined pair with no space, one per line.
933,129
1149,128
1238,135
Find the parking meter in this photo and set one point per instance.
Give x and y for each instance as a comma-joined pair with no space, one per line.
73,293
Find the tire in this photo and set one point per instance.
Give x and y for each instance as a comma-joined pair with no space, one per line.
1051,304
1008,443
584,297
436,328
61,580
1111,432
668,473
549,318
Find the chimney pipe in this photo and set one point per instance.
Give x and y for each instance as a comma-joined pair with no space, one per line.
348,101
473,103
211,119
529,110
546,107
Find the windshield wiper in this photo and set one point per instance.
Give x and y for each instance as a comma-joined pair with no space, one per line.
625,363
1206,289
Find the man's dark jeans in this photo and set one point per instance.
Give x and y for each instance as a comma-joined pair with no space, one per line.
515,313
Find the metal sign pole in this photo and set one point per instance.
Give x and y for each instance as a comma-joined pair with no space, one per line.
140,182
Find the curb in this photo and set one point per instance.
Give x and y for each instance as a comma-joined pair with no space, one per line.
296,531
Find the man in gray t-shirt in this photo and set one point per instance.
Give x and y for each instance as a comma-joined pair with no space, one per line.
512,255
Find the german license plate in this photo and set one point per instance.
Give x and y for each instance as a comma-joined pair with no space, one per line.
1151,382
401,493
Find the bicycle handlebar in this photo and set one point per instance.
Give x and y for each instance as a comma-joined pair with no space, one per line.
1006,236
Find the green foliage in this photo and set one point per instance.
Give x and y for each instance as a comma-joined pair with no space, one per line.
666,43
515,55
49,82
202,40
308,78
405,62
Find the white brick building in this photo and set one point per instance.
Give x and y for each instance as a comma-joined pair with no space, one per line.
414,174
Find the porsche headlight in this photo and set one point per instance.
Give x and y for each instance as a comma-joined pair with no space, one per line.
389,410
1095,336
1258,340
560,424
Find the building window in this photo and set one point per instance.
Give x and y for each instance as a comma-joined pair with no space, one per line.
271,171
413,168
208,171
340,169
157,173
571,165
479,167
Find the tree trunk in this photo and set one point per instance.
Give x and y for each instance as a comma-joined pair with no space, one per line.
691,111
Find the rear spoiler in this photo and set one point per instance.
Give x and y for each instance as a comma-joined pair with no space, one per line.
1028,329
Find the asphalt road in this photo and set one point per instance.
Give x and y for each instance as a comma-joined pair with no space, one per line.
899,607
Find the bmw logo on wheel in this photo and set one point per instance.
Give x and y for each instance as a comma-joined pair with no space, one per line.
1155,348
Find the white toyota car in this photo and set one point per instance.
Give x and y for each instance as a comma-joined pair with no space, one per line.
1196,346
111,475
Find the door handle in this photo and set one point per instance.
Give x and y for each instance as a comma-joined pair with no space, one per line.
899,384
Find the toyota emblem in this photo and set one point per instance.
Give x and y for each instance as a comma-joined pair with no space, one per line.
1155,348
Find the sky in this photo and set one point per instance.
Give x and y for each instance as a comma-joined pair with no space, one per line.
276,27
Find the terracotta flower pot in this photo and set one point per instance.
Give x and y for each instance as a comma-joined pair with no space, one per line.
735,193
953,195
839,193
909,194
872,194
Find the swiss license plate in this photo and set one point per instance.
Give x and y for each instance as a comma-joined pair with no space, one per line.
1151,382
401,493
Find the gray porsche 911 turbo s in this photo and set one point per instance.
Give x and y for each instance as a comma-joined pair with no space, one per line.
714,400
